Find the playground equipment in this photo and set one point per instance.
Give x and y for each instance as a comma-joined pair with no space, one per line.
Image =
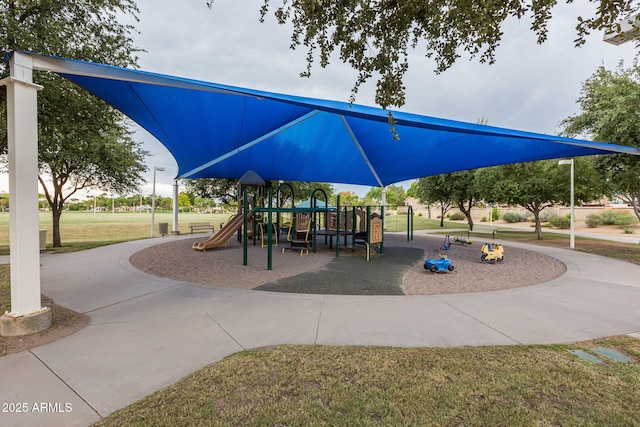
364,226
299,238
446,245
462,240
492,253
225,233
442,264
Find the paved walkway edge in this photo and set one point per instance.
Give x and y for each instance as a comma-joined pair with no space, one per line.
147,332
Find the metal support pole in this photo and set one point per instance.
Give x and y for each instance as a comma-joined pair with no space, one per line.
153,197
270,232
338,226
245,223
572,237
174,227
383,229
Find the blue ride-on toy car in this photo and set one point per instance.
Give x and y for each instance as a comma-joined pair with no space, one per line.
443,264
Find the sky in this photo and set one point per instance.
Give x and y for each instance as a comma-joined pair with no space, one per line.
530,87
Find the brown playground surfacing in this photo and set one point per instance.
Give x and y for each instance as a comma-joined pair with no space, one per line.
399,271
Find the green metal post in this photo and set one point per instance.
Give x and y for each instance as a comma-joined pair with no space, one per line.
245,208
368,245
338,226
353,228
269,231
383,229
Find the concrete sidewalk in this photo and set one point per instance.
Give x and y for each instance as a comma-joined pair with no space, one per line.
147,332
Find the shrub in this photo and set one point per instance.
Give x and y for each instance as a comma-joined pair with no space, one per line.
609,217
457,216
626,220
546,215
526,216
511,217
593,221
560,221
623,219
484,219
495,213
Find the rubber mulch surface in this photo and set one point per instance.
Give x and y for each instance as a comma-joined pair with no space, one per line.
353,275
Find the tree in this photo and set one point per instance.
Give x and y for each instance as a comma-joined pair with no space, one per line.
226,190
464,192
609,102
394,195
535,185
183,201
83,143
349,198
374,195
374,36
433,190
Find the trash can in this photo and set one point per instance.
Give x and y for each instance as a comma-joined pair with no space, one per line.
163,228
43,239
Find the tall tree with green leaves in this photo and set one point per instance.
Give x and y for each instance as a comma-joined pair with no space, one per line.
537,186
226,190
394,195
610,101
464,192
434,190
374,37
83,143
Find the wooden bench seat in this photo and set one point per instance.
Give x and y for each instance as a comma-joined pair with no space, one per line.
201,226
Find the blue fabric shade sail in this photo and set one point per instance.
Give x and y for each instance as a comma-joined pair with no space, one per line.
221,131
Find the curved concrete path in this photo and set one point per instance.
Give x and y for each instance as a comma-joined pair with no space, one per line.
147,332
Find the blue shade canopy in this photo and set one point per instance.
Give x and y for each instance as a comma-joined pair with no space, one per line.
219,131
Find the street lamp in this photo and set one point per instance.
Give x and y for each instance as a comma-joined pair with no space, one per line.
627,29
572,238
153,196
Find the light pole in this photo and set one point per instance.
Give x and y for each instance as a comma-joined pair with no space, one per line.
153,196
627,29
572,237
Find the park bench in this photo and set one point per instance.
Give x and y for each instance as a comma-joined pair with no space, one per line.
200,226
506,231
494,230
483,231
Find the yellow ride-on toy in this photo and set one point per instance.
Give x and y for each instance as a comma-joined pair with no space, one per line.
462,240
492,252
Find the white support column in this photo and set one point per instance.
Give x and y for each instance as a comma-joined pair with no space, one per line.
174,227
22,129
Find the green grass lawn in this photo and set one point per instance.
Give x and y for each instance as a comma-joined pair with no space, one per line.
375,386
83,230
324,385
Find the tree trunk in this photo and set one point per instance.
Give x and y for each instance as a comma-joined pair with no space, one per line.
442,212
469,219
467,212
635,202
538,230
57,212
